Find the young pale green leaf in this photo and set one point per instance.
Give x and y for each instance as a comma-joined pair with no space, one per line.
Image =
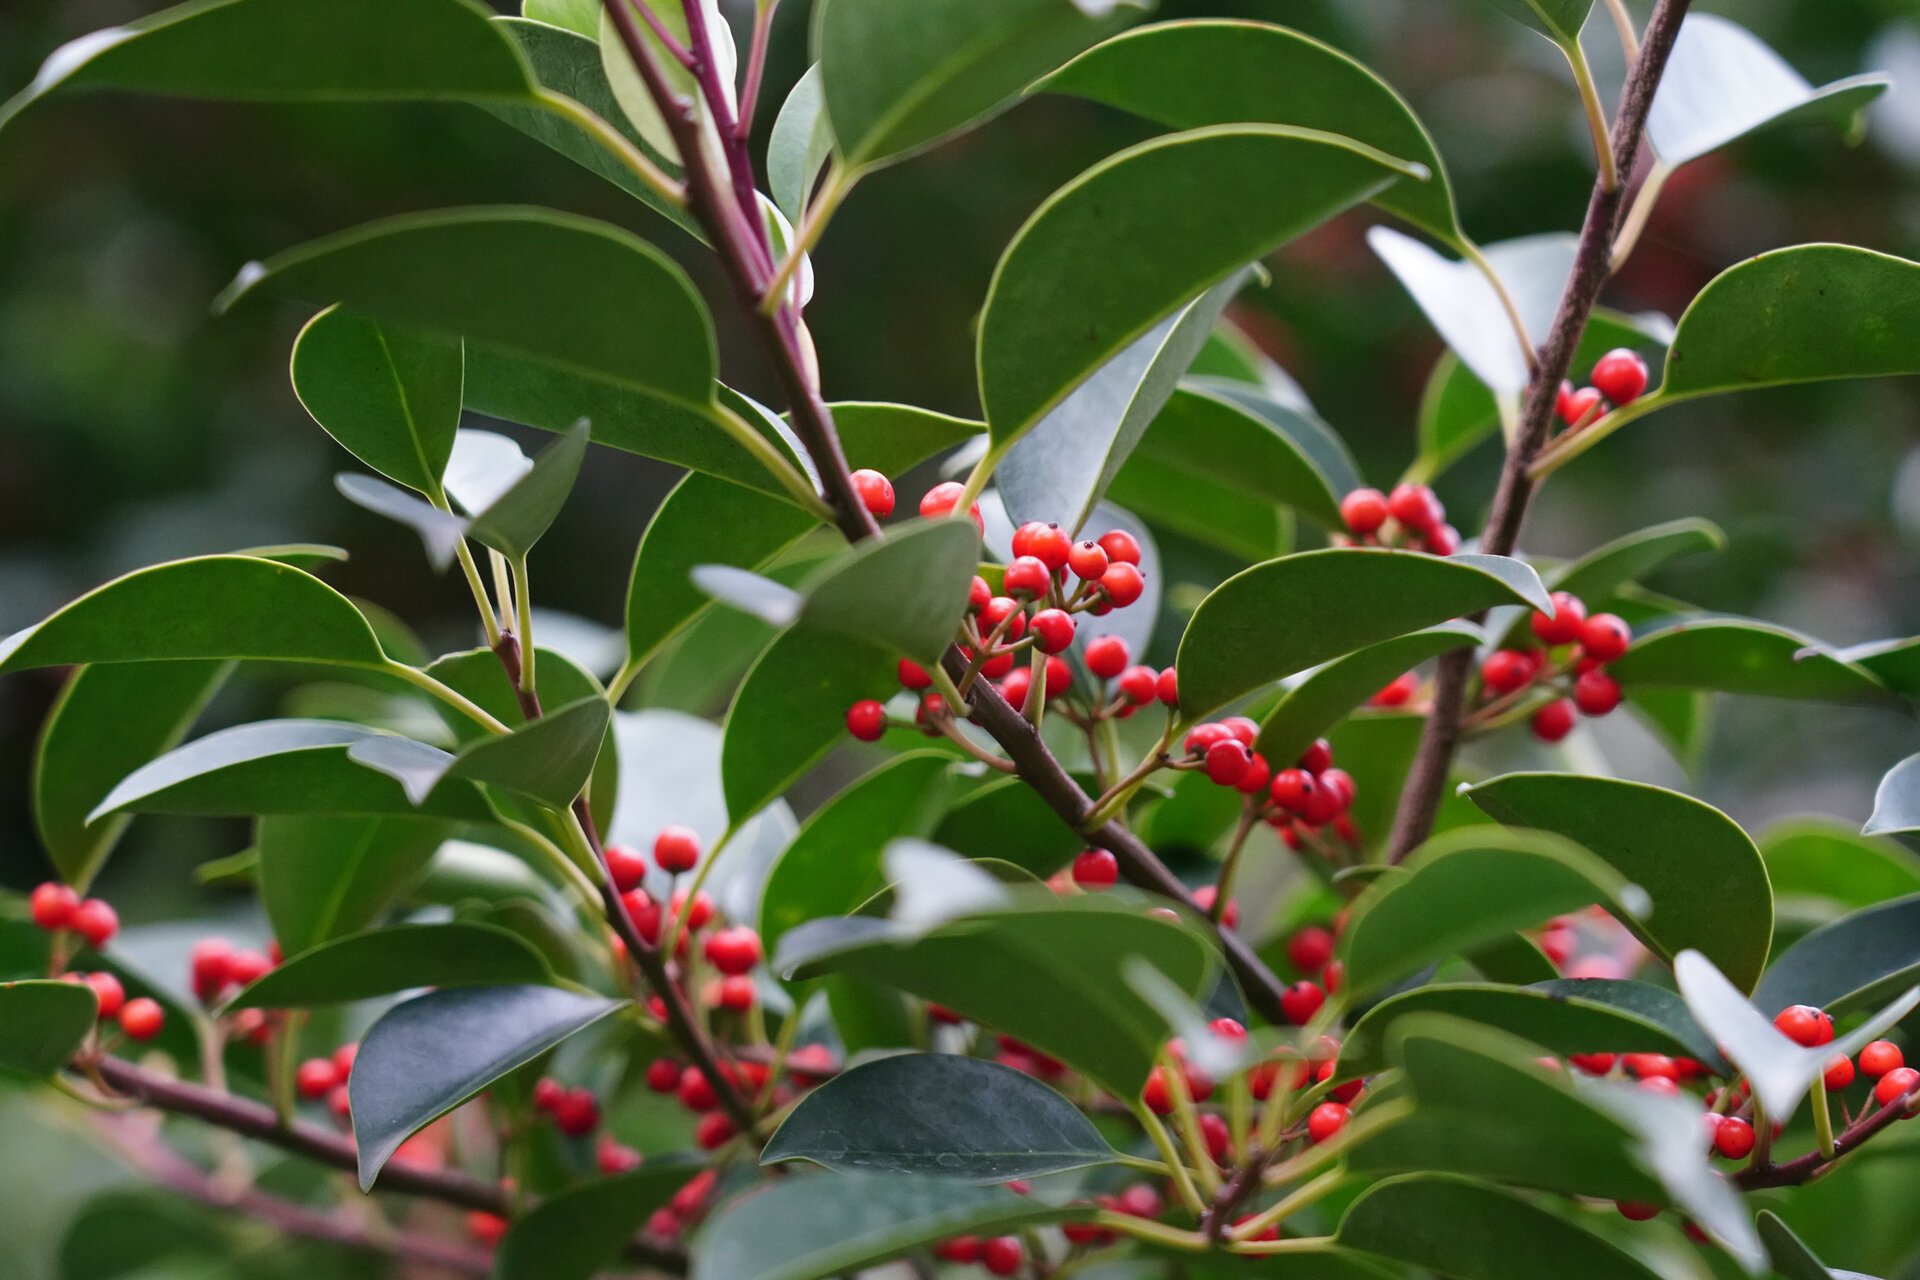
389,395
1737,655
800,145
840,1224
1466,1229
578,1233
1129,241
1791,1258
1059,469
293,50
1817,864
938,1115
833,865
1468,887
1896,803
440,531
362,966
43,1024
518,518
905,593
213,607
548,760
630,87
1706,879
108,722
580,296
1869,955
1723,83
1190,74
1046,971
1558,20
1234,643
1325,695
582,17
325,877
900,79
1779,1070
427,1056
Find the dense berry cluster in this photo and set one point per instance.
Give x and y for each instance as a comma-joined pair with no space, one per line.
1411,516
1563,673
58,910
1618,377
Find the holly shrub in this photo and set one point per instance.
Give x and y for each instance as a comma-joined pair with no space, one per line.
1233,966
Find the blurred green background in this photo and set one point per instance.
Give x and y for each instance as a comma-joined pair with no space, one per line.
135,427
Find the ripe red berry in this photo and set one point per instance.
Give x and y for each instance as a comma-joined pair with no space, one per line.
677,849
1088,560
1003,609
1204,896
1027,577
1052,630
1620,375
1291,789
663,1075
1227,761
912,675
1047,543
1167,687
1139,685
1301,1001
53,905
1564,626
1506,670
1107,656
626,865
1121,547
95,921
715,1130
548,1093
1364,510
1804,1025
107,993
978,593
736,993
343,1059
1309,949
1016,687
1594,1064
1202,736
875,491
1575,405
1895,1085
1258,774
577,1114
248,967
1733,1138
1002,1255
867,720
1326,1120
1215,1134
142,1019
613,1157
943,498
1839,1072
734,950
487,1229
1605,637
318,1077
1096,869
1595,692
1398,693
1318,758
1881,1057
1122,583
1634,1211
1553,721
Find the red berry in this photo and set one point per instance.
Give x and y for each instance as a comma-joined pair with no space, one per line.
1553,721
95,921
1594,1064
1506,670
614,1157
208,964
1364,510
486,1228
1733,1138
715,1130
318,1077
1203,736
1301,1001
1121,547
1002,1255
1309,949
1881,1057
1564,626
1139,684
1634,1211
734,950
1167,687
1088,560
1292,789
1015,687
1096,869
142,1019
663,1075
1258,774
1003,609
1895,1085
1047,543
1059,677
1318,758
1052,630
696,1091
943,498
677,849
107,993
1605,637
1443,541
1326,1120
53,905
1398,693
248,967
1028,577
1217,1137
1620,375
1804,1025
736,993
978,593
867,720
1595,692
1839,1072
1242,729
1575,405
1651,1066
577,1114
1122,583
1204,896
1228,762
912,675
875,491
626,865
343,1059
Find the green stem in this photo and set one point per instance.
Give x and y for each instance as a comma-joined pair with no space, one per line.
1302,1197
475,584
1822,1117
452,697
615,143
1565,448
977,480
1152,1232
1036,705
1163,1142
523,619
1596,113
766,455
1223,889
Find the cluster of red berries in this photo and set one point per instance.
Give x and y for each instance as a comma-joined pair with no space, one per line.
1289,1071
1411,516
1575,650
576,1113
319,1079
805,1067
56,908
1618,377
675,850
1591,945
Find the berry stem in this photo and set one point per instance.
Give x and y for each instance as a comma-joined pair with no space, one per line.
1163,1142
1822,1118
1223,888
1596,114
1303,1196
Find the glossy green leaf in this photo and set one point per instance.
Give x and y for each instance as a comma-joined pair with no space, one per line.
791,710
1896,802
1735,655
1190,74
1706,881
1008,819
905,593
1791,1258
1471,1231
521,515
361,966
579,1233
43,1024
811,1228
1558,20
1327,694
108,721
578,295
430,1054
548,760
1859,959
389,395
326,877
833,864
1129,241
1600,573
1233,645
1047,972
292,50
1464,888
899,80
1462,305
1815,863
1566,1016
798,148
892,438
938,1115
1723,83
213,607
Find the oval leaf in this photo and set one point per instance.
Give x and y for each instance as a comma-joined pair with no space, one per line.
1896,802
518,518
1735,655
362,966
389,395
798,148
1325,695
905,593
1857,960
43,1024
580,1232
324,877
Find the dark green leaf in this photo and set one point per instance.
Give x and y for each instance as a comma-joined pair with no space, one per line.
1008,819
891,438
1705,878
1558,20
361,966
799,146
1601,572
1734,655
42,1024
521,515
323,878
938,1115
548,760
582,17
1233,644
1791,1258
1858,960
427,1056
578,1233
1816,863
1325,696
905,593
389,395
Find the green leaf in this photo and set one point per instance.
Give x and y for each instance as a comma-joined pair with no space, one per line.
1861,958
1132,239
580,296
1815,863
1190,74
1723,83
744,591
1325,695
1791,1258
213,607
1566,1016
389,395
108,721
1471,1231
1706,880
548,760
425,1057
362,966
839,1224
905,593
1008,819
798,148
898,80
1558,20
579,1232
1736,655
43,1024
1233,645
630,88
582,17
523,514
833,865
938,1115
791,710
293,50
1046,971
1896,802
1464,888
892,438
1603,571
325,877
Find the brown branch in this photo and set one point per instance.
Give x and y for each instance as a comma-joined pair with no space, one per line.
1592,265
1233,1194
1792,1173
